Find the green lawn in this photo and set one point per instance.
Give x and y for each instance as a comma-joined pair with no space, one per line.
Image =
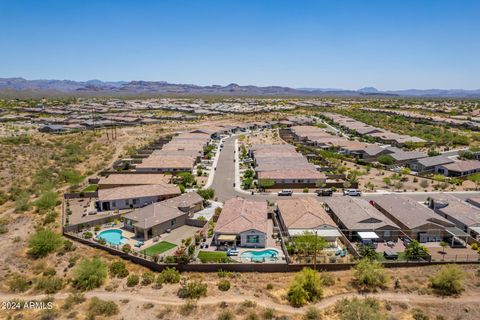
213,256
158,248
90,188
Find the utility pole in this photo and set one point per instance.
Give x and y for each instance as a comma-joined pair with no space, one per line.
315,252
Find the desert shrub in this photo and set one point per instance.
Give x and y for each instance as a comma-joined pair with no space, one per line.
206,194
369,274
474,246
19,283
50,217
133,280
225,315
73,299
268,314
449,280
44,242
327,279
169,275
269,286
89,274
224,285
118,269
47,201
312,314
148,278
357,309
252,316
49,285
192,289
306,287
98,307
418,314
187,308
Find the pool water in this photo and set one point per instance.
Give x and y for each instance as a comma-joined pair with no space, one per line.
269,254
113,236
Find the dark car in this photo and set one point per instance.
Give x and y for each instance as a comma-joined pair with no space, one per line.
324,192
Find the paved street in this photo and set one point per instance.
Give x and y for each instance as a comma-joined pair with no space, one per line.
225,177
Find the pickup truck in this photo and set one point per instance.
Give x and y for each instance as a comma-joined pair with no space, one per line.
285,192
352,192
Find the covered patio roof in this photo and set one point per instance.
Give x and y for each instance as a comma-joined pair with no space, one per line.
227,237
367,235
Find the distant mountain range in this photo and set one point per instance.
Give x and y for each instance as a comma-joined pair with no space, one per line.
23,87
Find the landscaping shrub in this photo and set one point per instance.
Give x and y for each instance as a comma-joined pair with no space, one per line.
169,275
118,269
49,285
192,289
369,274
98,307
415,251
44,242
126,248
224,285
306,287
89,274
449,280
206,194
132,280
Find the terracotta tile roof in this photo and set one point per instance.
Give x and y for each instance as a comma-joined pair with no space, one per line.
239,215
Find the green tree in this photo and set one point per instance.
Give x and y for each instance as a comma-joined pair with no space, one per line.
206,194
475,178
89,274
307,286
44,242
367,251
386,159
444,245
449,280
186,179
416,251
368,274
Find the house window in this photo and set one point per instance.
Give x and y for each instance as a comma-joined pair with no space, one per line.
253,239
135,201
173,222
126,202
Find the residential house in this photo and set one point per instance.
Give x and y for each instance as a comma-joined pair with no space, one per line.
133,196
459,168
242,222
414,219
356,215
428,164
306,215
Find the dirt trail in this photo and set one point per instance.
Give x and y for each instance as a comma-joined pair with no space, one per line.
323,304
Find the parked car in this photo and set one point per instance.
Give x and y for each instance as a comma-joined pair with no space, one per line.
285,192
324,192
352,192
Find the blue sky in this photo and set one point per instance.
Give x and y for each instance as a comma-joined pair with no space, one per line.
389,44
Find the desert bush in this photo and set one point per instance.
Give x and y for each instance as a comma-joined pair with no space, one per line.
73,299
89,274
187,308
268,314
126,248
449,280
192,289
118,269
369,274
49,285
357,309
148,278
312,314
44,242
47,201
133,280
19,283
224,285
418,314
98,307
169,275
306,287
225,315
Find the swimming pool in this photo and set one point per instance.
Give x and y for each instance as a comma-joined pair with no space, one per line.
262,255
112,236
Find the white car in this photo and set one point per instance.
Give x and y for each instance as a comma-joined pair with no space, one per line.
352,192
